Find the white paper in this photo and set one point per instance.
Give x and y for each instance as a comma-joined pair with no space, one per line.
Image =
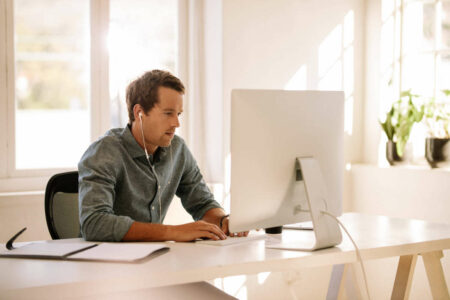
118,251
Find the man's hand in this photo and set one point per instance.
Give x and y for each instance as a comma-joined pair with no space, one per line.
196,230
214,215
225,228
150,232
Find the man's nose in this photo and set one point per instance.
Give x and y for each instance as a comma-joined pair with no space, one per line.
177,121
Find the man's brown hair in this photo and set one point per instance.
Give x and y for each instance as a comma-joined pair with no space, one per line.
144,90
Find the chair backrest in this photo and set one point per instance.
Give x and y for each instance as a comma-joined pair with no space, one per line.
61,206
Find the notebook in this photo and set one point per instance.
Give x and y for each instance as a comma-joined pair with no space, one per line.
111,252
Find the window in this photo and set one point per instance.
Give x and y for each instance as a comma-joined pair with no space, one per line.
425,47
415,54
65,70
51,82
139,39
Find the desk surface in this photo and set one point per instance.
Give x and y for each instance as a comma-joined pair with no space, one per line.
376,236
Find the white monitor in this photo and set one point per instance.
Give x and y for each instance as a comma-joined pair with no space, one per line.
270,129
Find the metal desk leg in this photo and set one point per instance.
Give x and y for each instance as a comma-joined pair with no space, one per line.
335,282
345,279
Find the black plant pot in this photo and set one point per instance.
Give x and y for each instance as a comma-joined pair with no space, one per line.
392,156
437,152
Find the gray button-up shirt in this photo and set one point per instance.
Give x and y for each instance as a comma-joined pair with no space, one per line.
117,186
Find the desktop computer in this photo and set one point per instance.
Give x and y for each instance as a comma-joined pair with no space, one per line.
287,161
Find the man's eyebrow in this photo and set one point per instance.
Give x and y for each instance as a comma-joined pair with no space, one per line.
171,109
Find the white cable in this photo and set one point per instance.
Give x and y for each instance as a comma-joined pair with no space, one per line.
358,254
143,140
164,187
151,168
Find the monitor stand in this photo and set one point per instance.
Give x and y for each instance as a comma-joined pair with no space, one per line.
299,226
326,231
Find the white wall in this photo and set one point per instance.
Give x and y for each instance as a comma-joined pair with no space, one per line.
18,210
402,192
265,43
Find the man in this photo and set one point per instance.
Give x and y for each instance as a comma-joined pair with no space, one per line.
128,177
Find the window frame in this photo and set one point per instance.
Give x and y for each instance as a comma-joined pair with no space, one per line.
3,90
399,55
392,70
15,180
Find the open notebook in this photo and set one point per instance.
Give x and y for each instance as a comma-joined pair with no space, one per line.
111,252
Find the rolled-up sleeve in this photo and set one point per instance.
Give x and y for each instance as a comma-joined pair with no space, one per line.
98,172
193,191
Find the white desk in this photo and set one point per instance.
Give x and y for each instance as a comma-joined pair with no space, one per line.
376,236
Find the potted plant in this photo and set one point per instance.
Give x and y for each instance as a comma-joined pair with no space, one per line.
398,124
437,120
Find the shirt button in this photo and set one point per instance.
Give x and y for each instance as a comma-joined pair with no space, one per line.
153,207
159,187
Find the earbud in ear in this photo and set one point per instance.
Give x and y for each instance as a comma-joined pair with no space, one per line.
140,115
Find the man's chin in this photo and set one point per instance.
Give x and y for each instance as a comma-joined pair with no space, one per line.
166,142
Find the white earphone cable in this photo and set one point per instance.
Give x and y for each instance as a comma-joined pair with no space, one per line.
143,138
154,171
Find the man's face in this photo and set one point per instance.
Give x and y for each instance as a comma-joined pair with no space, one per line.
160,122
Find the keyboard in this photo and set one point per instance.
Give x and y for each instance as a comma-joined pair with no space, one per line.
231,240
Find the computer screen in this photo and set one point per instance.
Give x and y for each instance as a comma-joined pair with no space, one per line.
270,129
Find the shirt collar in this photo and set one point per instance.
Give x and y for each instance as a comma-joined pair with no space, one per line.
133,147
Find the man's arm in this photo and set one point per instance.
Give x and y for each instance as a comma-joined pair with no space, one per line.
150,232
197,198
207,228
214,216
97,179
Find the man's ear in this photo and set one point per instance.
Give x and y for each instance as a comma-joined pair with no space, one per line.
138,111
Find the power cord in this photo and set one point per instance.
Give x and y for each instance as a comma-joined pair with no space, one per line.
358,254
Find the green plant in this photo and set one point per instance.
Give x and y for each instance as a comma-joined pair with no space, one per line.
401,118
437,117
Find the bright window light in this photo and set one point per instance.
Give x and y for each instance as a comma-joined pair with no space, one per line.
52,122
139,40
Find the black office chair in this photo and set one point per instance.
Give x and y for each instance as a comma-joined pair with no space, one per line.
61,206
